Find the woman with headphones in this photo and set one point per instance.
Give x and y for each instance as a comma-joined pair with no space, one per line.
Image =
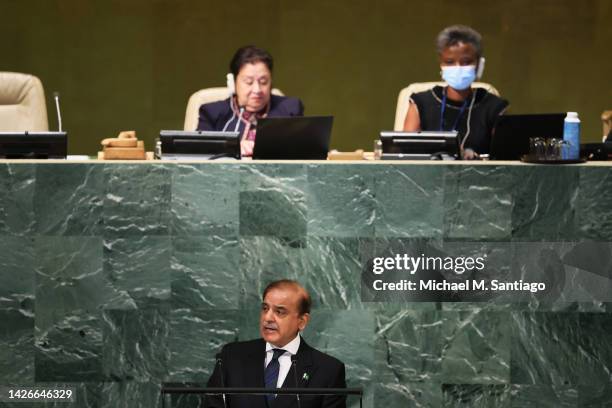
250,83
472,112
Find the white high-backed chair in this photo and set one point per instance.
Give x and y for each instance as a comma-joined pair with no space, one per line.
22,103
207,95
403,98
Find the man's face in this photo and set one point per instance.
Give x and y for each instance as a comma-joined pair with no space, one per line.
280,320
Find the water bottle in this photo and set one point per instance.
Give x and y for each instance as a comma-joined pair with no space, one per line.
571,135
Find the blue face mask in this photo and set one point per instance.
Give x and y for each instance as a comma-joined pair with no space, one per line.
459,77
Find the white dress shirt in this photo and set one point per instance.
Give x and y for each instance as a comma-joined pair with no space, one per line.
284,360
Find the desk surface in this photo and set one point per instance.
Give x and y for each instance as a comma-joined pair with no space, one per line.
331,162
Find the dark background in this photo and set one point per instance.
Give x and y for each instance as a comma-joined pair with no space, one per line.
132,64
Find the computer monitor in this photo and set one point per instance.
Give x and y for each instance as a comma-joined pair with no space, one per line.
511,135
293,138
419,145
33,145
206,145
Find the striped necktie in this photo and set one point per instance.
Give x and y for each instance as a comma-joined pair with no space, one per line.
271,373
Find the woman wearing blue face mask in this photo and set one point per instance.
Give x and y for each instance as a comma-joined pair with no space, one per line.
472,112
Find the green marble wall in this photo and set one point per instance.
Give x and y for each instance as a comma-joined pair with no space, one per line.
117,277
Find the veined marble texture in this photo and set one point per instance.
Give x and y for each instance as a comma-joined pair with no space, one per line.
116,278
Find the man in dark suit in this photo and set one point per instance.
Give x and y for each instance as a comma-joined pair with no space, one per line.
280,359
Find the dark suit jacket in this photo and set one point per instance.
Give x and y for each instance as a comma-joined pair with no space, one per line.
243,366
213,116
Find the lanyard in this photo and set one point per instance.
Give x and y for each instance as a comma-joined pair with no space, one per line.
443,108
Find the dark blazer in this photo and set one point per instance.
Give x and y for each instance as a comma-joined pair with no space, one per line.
215,115
243,366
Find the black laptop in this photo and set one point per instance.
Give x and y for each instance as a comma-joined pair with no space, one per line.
293,138
511,137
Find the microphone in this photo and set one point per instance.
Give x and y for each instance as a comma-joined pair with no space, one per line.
239,118
57,108
294,363
220,365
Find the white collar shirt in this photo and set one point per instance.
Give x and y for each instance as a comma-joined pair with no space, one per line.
284,360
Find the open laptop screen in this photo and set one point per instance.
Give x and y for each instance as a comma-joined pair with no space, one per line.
511,136
293,138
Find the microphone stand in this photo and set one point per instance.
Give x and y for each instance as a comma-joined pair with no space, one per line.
294,363
220,364
57,108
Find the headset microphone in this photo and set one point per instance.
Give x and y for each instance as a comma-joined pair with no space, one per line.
481,66
231,84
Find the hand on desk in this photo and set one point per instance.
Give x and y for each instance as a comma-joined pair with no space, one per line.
469,154
246,148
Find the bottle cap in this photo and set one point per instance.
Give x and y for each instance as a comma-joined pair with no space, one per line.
572,114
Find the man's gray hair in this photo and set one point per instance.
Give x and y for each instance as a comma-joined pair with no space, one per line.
459,33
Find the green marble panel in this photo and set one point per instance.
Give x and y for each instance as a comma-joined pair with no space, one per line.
545,203
348,336
543,262
476,347
68,199
71,349
17,288
544,349
328,268
70,279
137,199
478,201
594,204
270,213
205,199
205,272
138,267
291,179
594,257
340,200
248,323
544,396
595,396
420,394
17,274
135,345
16,346
593,347
476,396
17,199
409,200
195,337
130,394
273,201
408,347
333,267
